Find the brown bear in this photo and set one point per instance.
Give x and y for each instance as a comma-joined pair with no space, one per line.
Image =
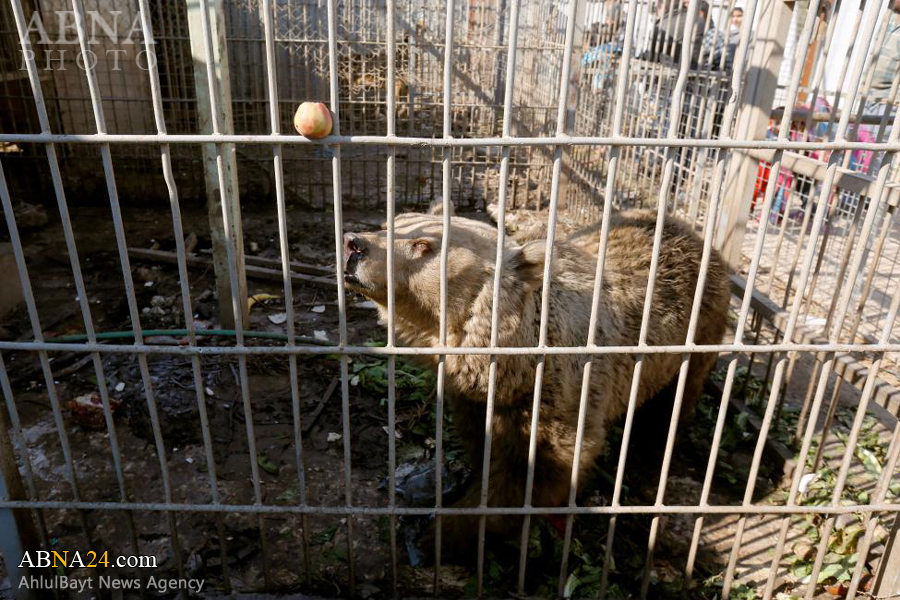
471,264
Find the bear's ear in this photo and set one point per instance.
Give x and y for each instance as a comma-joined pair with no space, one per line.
527,261
437,208
421,246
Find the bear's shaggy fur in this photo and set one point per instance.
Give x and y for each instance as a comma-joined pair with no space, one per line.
471,259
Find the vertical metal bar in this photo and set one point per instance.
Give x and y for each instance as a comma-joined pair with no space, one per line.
664,47
499,17
411,73
508,93
801,49
277,164
886,225
821,60
442,335
700,90
512,43
27,292
871,522
237,302
53,162
725,132
851,235
342,299
391,293
776,254
134,313
832,209
836,101
545,299
712,215
672,133
18,535
848,245
598,280
572,101
788,286
663,72
834,160
184,282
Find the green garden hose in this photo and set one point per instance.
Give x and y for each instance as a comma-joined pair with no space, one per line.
119,335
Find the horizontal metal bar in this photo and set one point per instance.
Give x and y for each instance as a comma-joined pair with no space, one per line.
386,140
438,350
760,509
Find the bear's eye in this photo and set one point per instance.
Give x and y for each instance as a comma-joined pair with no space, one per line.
421,246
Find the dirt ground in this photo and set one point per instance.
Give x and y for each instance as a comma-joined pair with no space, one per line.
204,539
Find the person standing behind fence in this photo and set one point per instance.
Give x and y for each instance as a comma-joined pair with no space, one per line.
668,34
888,59
605,46
716,42
885,69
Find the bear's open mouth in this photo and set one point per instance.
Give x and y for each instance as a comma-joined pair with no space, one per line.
355,284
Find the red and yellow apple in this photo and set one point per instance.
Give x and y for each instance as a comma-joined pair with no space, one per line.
313,120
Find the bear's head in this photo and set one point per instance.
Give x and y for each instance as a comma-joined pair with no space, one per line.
417,265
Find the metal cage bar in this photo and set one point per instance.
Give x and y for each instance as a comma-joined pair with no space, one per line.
274,119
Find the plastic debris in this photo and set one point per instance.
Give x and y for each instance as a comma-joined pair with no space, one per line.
278,318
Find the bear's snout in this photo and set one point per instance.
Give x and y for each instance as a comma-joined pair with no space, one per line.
354,251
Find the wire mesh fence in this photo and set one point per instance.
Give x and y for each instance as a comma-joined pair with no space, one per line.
551,117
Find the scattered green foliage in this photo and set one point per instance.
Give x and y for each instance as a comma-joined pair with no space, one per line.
841,557
289,496
267,465
324,536
384,529
412,383
415,391
336,554
545,549
743,592
737,437
711,588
